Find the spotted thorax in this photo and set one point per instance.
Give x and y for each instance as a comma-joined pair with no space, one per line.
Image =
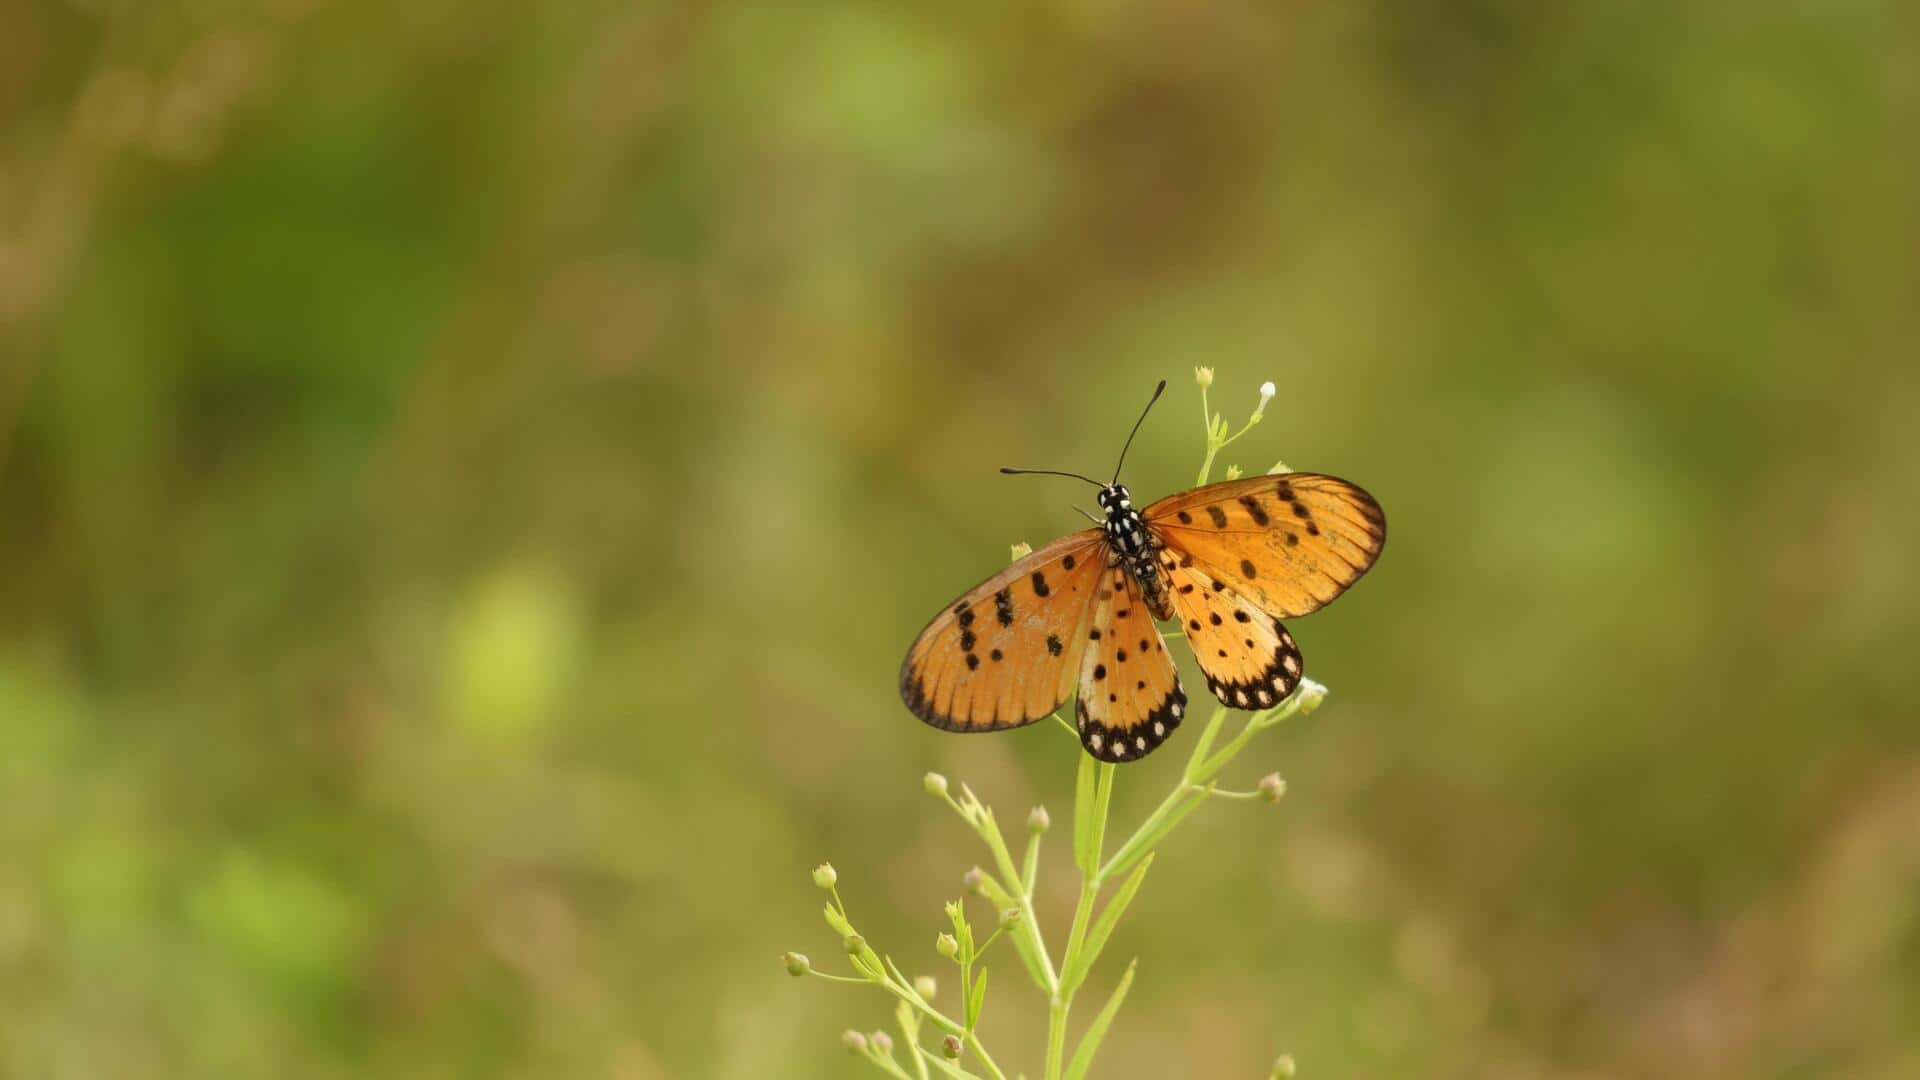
1125,531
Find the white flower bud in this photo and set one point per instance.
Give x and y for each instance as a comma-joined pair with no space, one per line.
1038,821
1267,390
1272,787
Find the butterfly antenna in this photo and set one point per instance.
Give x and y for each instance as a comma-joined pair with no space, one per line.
1136,429
1011,471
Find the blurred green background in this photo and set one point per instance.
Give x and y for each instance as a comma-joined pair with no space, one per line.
468,474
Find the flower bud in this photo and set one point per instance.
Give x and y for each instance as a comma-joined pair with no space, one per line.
1272,787
824,876
1279,467
797,963
855,944
1266,394
1021,550
1203,376
950,1046
1283,1068
853,1040
1038,821
1233,472
925,986
881,1041
935,784
947,945
974,879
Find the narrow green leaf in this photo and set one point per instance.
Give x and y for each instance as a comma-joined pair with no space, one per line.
1025,945
905,983
1143,842
1097,1031
838,921
976,999
1204,743
1030,865
1103,926
1085,854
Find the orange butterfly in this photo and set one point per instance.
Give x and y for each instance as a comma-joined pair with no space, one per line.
1227,560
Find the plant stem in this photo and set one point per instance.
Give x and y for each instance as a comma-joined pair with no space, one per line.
1060,1007
1056,1037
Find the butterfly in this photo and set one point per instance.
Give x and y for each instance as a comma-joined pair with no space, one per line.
1227,560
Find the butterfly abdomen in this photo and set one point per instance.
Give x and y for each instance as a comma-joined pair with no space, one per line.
1145,569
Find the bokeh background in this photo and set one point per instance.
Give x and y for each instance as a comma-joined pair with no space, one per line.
468,474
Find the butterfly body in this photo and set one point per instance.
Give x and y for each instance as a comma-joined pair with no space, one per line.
1076,618
1131,544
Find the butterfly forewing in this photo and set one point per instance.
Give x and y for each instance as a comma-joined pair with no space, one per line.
1007,652
1289,543
1249,659
1130,697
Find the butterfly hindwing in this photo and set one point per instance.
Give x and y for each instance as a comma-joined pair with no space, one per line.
1288,543
1130,698
1249,659
1007,653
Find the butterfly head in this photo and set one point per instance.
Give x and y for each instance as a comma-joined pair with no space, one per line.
1125,530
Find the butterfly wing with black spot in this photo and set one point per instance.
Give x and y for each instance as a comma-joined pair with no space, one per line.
1288,543
1007,653
1249,659
1130,697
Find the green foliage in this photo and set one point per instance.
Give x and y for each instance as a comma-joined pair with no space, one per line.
1010,895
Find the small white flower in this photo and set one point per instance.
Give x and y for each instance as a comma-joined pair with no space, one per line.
1267,390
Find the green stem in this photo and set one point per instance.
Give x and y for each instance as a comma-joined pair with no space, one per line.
1091,878
1029,927
1056,1037
1148,830
980,1051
